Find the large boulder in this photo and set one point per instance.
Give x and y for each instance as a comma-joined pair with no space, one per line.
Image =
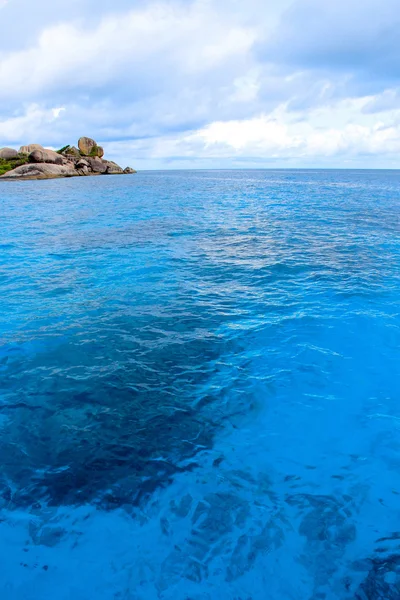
82,167
40,171
46,156
83,171
30,148
82,162
96,164
129,171
8,153
89,147
112,168
86,145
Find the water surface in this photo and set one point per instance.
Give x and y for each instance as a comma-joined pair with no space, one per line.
199,386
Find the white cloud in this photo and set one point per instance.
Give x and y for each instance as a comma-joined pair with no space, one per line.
26,126
126,50
327,132
191,81
57,111
327,137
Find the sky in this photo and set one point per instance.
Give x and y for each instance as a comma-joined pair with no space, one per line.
205,83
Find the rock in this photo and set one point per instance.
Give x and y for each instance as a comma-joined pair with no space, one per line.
82,163
30,148
86,145
40,171
83,167
69,160
46,156
83,170
112,168
72,151
8,153
96,164
129,171
89,147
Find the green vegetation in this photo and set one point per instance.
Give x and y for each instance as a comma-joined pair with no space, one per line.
5,166
12,163
63,149
94,151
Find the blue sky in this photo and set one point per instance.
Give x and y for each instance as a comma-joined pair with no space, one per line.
206,83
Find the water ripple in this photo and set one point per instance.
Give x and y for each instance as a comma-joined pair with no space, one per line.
207,363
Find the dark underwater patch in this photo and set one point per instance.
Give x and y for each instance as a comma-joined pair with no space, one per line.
110,416
382,581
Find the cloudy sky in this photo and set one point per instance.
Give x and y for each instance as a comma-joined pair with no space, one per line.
206,83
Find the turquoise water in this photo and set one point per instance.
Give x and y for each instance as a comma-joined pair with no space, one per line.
199,386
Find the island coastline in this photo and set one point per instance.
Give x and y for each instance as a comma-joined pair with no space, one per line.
33,162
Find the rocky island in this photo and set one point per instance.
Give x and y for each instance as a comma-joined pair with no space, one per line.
36,162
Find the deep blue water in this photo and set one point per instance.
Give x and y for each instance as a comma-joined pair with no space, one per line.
200,385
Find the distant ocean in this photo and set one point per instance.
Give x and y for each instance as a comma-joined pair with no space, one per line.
200,386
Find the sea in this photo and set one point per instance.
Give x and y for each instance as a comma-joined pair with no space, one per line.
200,386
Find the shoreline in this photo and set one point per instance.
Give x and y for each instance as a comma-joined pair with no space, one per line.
34,162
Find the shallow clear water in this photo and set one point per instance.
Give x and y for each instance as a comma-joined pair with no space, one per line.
199,386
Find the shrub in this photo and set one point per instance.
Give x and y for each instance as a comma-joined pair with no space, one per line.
12,163
63,149
94,151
